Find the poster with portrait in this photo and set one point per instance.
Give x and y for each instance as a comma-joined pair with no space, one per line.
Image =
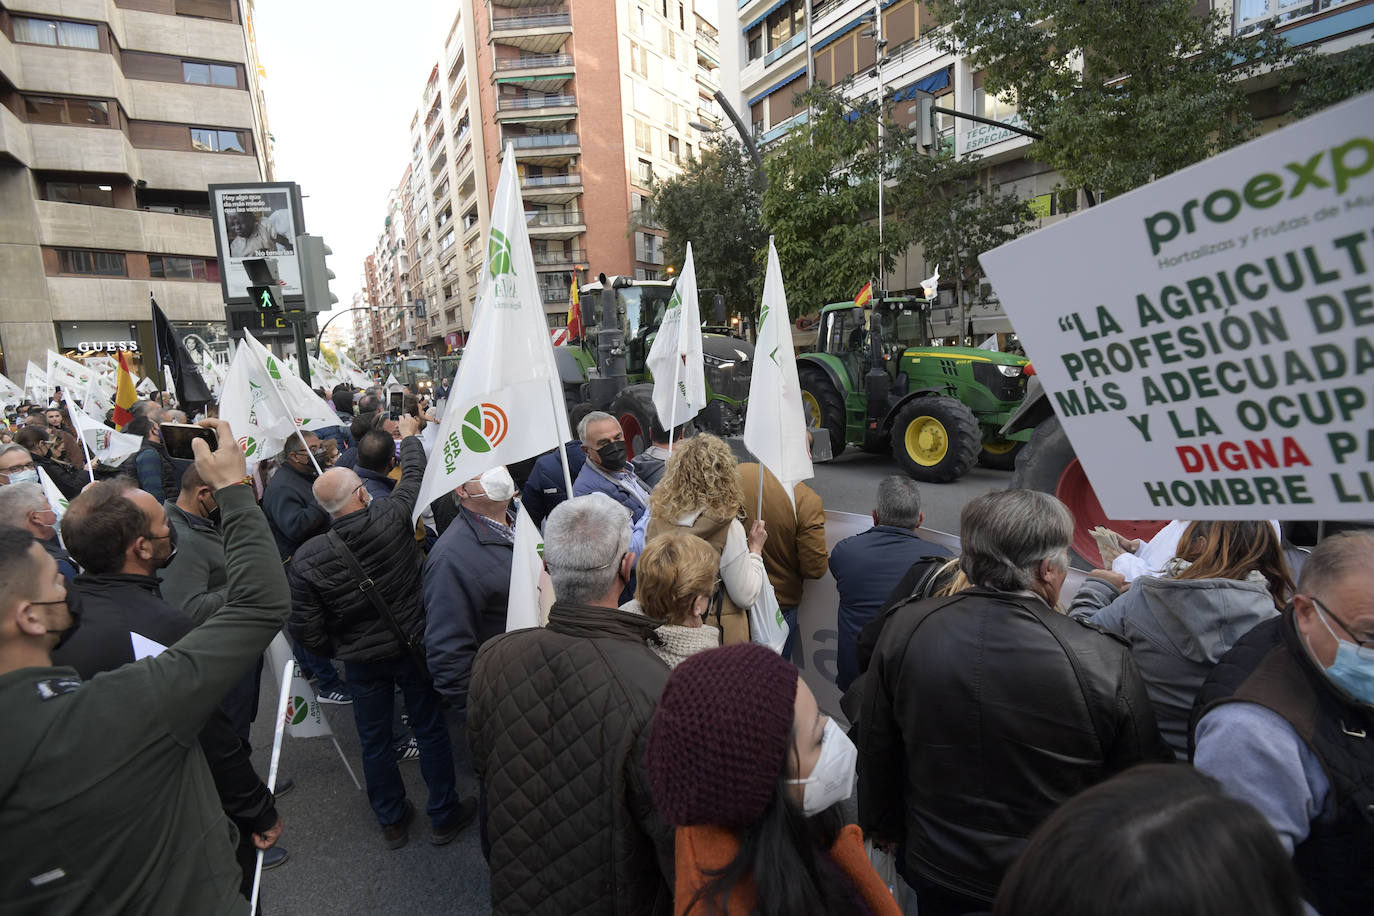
259,220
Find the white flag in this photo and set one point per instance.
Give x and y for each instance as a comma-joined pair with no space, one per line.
352,374
303,716
67,373
989,344
507,399
321,376
253,412
104,444
94,399
675,357
393,385
775,425
10,393
36,383
307,408
56,500
523,609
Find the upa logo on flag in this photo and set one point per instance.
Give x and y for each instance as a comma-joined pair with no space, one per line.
482,429
249,446
296,710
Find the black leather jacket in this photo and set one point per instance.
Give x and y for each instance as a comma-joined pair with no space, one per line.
983,713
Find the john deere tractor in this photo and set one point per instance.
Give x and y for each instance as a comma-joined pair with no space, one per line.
608,370
876,382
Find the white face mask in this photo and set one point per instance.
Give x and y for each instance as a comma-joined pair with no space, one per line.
497,484
832,779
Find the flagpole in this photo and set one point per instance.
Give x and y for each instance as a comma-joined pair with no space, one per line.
272,770
672,411
281,398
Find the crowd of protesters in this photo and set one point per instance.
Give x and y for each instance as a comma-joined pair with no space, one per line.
1190,731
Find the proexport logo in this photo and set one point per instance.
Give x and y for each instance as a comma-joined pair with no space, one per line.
481,430
1334,168
499,254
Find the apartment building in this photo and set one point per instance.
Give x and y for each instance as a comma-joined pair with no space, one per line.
777,49
115,116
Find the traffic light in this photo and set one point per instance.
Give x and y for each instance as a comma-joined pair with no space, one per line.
925,120
315,274
264,297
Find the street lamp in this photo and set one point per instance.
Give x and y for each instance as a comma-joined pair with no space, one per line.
743,131
879,44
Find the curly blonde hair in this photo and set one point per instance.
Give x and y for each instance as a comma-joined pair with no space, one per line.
701,475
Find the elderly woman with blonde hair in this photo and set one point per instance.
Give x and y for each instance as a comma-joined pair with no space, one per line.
700,495
677,585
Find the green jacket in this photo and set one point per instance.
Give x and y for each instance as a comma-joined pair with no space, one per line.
196,580
106,802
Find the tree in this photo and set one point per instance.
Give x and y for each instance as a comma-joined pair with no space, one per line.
822,199
715,204
1124,91
1331,78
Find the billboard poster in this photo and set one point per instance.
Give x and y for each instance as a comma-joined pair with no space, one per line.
258,220
1207,340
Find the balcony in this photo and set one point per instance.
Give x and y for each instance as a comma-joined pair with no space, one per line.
559,259
534,72
555,224
782,50
543,149
548,110
534,62
536,29
552,189
1251,16
647,255
555,295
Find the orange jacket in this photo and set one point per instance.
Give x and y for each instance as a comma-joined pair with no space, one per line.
709,847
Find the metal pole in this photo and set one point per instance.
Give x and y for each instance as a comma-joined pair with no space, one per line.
744,135
302,355
879,43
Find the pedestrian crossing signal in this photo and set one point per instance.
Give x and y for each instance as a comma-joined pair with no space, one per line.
263,297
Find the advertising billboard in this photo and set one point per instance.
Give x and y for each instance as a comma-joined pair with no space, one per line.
257,220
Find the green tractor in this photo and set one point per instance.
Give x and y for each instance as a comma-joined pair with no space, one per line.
876,381
608,370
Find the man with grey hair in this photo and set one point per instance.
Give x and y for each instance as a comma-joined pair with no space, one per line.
24,505
1285,722
608,471
867,566
558,719
986,710
355,596
16,465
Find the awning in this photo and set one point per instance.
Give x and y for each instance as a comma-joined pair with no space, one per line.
776,86
933,83
764,15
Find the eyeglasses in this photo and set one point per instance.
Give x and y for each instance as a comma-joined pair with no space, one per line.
1366,645
26,466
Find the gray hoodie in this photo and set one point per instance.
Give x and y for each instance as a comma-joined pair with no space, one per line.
1178,629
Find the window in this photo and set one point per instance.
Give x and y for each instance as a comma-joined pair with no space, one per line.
681,18
670,42
208,140
209,74
92,263
639,60
755,38
644,173
45,109
673,150
164,267
57,33
785,22
644,137
73,192
206,9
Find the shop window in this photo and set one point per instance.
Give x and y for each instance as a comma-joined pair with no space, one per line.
79,192
57,33
206,140
46,109
91,263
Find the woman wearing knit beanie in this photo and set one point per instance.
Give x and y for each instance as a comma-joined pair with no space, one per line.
741,761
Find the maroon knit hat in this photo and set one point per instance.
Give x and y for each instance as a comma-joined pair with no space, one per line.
720,736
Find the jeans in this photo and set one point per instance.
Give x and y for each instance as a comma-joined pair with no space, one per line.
373,684
793,639
318,668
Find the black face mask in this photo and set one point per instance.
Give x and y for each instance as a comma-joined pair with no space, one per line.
171,537
612,456
73,611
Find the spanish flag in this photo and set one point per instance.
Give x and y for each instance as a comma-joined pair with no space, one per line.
125,393
865,295
575,329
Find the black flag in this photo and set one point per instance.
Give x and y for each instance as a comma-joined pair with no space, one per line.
172,353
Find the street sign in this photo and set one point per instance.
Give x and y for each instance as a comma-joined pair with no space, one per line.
266,323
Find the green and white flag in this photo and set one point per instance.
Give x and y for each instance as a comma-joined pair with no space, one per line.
68,373
307,409
675,358
525,607
775,426
10,393
107,446
507,400
321,375
36,383
264,403
351,373
56,500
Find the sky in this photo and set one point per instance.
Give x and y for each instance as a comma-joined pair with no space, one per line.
344,78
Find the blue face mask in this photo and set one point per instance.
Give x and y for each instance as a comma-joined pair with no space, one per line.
1353,669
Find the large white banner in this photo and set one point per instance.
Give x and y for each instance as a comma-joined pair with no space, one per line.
1208,339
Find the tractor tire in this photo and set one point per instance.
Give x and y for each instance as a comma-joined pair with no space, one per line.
1000,454
634,408
936,439
1048,464
824,406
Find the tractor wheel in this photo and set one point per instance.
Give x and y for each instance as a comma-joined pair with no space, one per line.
1000,454
936,439
634,408
1048,464
823,405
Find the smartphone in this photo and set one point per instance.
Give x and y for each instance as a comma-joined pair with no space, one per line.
411,405
177,437
398,399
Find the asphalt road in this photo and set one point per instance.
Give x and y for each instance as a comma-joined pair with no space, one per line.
338,864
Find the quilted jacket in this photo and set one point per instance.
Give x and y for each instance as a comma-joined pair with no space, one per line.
330,615
558,718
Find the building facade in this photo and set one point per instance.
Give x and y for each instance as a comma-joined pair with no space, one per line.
116,116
